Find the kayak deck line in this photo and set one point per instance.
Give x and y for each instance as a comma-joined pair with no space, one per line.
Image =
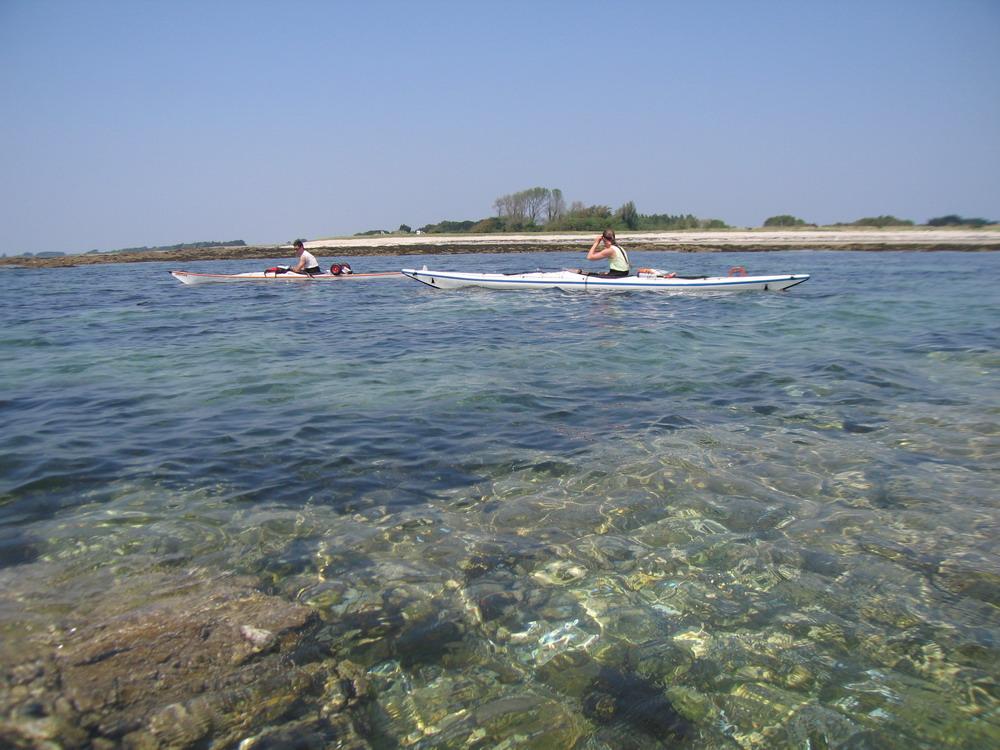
572,280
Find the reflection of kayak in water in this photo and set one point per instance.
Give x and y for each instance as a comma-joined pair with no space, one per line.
646,280
190,277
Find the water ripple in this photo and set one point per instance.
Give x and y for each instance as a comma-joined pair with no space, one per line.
778,511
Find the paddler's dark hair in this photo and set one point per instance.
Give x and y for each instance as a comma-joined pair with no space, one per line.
297,243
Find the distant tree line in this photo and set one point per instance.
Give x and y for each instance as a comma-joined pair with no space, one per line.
951,220
540,209
144,249
182,246
881,221
786,220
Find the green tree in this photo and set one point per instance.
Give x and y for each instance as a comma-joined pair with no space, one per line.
448,227
882,221
525,208
628,215
586,218
556,206
490,225
668,221
404,228
954,220
951,220
535,200
784,220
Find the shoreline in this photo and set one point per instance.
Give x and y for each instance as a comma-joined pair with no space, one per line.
769,240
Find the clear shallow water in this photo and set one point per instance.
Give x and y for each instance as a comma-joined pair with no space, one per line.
777,511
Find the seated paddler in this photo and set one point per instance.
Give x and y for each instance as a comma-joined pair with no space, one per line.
606,247
307,261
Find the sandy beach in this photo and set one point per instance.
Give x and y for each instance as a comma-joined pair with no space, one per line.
719,239
734,240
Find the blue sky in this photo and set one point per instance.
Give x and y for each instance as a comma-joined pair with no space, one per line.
147,123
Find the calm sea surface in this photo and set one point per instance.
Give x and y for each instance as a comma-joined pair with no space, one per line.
775,513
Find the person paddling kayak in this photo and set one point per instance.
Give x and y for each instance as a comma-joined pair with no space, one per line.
607,247
307,261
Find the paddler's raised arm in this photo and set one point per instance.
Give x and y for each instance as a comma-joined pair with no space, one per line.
594,253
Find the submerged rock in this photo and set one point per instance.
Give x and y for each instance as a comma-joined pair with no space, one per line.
209,664
623,697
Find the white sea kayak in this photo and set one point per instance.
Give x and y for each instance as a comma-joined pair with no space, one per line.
190,277
647,279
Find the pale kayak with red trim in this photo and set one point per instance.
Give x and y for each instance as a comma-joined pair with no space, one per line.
647,279
190,277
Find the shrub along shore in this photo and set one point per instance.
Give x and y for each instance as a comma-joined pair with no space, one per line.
759,240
